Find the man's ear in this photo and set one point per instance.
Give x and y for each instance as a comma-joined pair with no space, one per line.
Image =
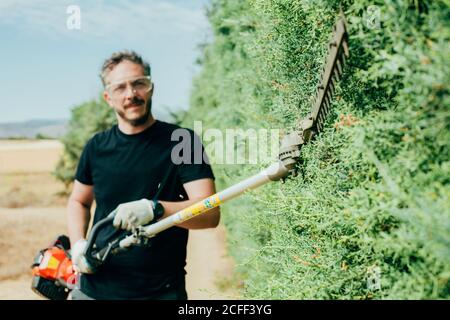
152,89
107,98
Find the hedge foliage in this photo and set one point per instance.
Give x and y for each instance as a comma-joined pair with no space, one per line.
368,215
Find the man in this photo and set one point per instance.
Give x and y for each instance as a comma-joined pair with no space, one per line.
127,165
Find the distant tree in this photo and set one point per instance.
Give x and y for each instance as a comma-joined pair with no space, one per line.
40,136
86,119
178,117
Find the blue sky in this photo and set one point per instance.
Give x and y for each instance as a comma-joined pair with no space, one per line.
46,68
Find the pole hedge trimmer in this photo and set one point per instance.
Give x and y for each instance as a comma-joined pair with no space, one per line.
52,268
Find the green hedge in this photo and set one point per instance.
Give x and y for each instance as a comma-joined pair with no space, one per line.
372,193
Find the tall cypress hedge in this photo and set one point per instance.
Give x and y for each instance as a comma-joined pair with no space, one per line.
368,215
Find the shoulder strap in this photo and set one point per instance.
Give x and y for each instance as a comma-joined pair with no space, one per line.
164,181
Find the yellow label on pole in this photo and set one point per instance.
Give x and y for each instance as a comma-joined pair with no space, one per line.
200,207
212,202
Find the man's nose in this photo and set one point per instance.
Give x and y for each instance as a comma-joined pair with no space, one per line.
129,92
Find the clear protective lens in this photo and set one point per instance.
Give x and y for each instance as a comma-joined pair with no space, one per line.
141,84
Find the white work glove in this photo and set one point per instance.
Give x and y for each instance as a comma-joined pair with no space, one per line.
133,214
78,259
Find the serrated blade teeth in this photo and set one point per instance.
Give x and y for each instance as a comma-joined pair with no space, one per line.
343,58
331,87
331,73
326,106
338,67
345,46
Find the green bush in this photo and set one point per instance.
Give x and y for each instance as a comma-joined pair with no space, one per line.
86,119
371,200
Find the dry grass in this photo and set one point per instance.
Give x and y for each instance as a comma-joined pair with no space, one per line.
29,156
38,189
25,178
23,233
32,212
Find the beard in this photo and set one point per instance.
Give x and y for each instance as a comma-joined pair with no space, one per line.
141,120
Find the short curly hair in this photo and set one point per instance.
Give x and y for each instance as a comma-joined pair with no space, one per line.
118,57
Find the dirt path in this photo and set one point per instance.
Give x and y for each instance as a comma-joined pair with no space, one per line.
208,265
23,232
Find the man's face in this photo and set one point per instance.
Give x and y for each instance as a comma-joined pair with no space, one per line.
124,95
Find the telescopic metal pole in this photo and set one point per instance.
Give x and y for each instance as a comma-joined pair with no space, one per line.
272,173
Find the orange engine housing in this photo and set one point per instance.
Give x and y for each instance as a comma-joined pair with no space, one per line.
55,265
53,273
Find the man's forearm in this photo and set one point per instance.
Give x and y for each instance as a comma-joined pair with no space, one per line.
78,217
209,219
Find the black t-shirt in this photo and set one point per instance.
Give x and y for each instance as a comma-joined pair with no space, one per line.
125,168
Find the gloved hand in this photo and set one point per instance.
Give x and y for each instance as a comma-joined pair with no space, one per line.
78,259
133,214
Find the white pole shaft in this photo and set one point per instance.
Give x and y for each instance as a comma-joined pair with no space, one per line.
272,173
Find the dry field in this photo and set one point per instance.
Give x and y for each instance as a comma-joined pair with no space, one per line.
32,213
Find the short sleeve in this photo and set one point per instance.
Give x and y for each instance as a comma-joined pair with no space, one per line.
84,169
195,166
